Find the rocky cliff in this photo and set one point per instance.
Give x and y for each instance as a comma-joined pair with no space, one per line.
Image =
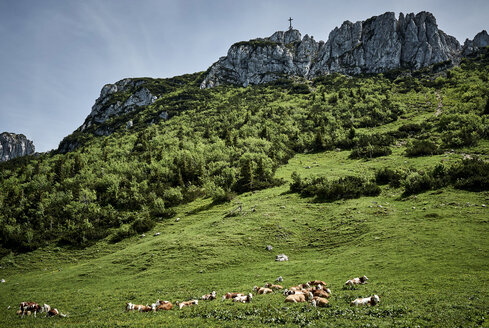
115,101
14,145
481,40
378,44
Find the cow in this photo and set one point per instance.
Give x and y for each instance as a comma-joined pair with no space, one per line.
262,290
54,312
137,307
322,293
272,286
209,297
372,300
45,308
356,281
316,282
164,306
243,298
320,302
294,292
29,306
298,298
181,305
228,296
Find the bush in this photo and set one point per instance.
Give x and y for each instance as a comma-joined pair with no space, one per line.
121,234
471,174
416,183
143,224
325,190
370,151
389,176
422,148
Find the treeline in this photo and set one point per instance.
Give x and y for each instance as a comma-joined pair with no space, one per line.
222,141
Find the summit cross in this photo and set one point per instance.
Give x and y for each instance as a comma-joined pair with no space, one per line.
290,21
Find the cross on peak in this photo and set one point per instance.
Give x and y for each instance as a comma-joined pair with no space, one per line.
290,21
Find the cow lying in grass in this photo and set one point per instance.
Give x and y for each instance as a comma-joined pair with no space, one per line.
229,296
372,300
54,312
272,286
319,302
138,307
316,283
243,298
181,305
163,306
209,297
262,290
356,281
299,298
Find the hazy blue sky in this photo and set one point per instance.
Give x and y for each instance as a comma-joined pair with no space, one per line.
55,55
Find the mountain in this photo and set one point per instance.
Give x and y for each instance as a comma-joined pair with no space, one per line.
14,145
378,44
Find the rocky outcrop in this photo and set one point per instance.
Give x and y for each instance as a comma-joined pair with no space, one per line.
481,40
118,99
379,44
115,100
14,145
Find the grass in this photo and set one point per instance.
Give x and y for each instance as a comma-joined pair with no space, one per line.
426,256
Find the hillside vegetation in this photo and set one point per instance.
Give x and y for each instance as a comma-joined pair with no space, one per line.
381,175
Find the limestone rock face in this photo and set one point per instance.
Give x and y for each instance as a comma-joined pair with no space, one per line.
125,96
481,40
108,105
14,145
378,44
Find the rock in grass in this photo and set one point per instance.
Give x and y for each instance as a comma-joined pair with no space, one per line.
2,281
279,279
281,258
269,247
156,234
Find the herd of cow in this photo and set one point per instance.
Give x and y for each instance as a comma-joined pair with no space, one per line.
314,291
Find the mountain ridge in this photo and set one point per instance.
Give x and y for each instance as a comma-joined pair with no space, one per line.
375,45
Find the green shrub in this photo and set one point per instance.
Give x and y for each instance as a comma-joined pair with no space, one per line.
143,224
416,183
342,188
389,176
121,234
470,174
422,148
370,151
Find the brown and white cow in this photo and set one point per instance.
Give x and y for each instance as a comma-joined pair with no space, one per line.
262,290
164,306
316,282
372,300
272,286
243,298
29,306
181,305
229,296
54,312
209,297
356,281
320,302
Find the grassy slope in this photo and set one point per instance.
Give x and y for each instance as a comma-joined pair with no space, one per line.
427,257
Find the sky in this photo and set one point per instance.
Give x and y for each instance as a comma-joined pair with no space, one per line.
56,55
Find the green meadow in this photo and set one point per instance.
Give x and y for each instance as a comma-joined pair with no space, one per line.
426,256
